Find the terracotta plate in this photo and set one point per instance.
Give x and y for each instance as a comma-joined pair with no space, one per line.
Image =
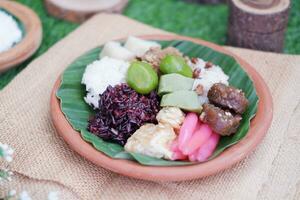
31,38
258,129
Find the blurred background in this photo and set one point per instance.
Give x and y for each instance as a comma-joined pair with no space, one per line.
208,22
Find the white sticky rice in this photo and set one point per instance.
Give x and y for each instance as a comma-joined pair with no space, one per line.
10,33
100,74
208,77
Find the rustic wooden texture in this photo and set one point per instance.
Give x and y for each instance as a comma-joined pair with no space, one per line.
261,3
251,40
80,10
258,24
30,42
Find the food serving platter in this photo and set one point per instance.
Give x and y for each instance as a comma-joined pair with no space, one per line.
32,35
258,128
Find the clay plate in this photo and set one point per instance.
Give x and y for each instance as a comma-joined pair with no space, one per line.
258,128
30,41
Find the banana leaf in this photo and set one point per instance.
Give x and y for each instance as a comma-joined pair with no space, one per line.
77,112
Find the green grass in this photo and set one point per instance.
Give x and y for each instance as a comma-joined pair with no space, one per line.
202,21
206,22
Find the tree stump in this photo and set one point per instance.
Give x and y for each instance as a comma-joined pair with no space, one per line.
207,1
81,10
258,24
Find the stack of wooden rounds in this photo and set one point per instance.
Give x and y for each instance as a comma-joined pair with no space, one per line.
258,24
81,10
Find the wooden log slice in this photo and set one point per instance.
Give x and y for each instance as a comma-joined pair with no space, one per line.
258,17
258,24
261,3
81,10
251,40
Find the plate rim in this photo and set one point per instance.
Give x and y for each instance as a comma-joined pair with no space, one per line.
225,160
31,40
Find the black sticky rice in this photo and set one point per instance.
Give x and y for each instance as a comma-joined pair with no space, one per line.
121,112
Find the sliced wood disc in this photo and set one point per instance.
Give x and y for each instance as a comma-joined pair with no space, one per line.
263,4
81,10
253,18
258,24
251,40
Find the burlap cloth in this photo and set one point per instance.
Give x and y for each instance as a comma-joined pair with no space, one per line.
43,162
